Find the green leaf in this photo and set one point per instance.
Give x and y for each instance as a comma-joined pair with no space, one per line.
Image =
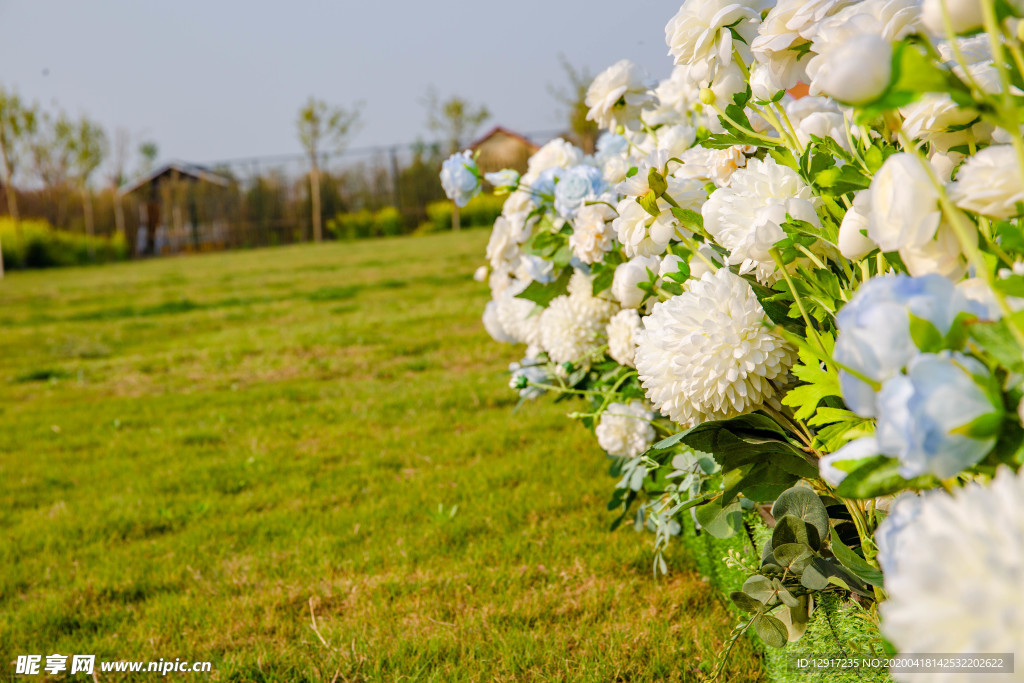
542,294
913,74
854,562
690,219
633,170
746,603
793,530
926,336
983,427
787,598
996,339
656,182
803,503
718,520
813,579
772,631
879,476
792,556
649,203
760,588
796,617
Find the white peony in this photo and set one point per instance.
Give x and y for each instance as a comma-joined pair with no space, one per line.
516,316
941,255
904,204
707,353
745,217
622,329
990,183
492,323
700,34
625,429
628,275
573,326
592,233
503,247
617,95
640,233
676,95
713,165
555,154
930,119
970,600
964,15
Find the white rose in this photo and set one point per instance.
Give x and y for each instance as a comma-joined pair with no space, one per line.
853,242
855,71
555,154
592,233
617,95
990,183
640,233
904,204
630,274
964,15
941,256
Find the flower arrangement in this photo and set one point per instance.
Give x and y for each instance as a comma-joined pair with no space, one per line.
808,308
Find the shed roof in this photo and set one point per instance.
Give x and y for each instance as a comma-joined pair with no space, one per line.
184,169
498,130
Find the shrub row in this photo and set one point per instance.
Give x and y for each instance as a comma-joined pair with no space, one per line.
35,244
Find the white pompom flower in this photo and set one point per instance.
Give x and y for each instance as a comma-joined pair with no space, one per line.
625,429
707,353
953,572
622,330
574,325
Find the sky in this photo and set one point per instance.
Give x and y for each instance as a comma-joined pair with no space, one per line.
216,80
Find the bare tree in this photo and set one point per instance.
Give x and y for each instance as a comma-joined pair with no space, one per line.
322,125
148,151
574,99
89,146
52,149
17,125
455,119
117,174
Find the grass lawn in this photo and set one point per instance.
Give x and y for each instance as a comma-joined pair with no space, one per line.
198,454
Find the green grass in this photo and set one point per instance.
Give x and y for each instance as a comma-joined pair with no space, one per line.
198,453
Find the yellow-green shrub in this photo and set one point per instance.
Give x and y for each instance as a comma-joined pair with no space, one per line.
35,244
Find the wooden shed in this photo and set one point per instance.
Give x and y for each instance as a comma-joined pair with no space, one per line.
182,207
501,148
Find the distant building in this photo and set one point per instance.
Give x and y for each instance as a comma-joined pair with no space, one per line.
501,148
182,207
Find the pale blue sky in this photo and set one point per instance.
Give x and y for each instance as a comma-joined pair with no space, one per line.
217,80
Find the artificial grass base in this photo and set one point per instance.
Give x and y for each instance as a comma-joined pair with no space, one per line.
838,628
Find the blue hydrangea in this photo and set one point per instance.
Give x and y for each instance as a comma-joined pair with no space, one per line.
460,178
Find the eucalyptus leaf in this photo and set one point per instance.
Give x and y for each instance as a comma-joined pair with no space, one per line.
772,631
803,503
854,562
760,588
746,603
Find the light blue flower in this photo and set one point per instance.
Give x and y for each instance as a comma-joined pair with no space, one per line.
874,329
576,185
902,513
524,375
922,415
611,144
544,186
504,181
460,178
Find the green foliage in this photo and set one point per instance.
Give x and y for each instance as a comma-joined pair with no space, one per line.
34,244
364,223
481,211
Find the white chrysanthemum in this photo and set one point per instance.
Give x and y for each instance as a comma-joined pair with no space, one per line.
970,600
625,429
592,233
746,217
701,33
574,325
622,330
990,183
516,316
617,95
707,355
